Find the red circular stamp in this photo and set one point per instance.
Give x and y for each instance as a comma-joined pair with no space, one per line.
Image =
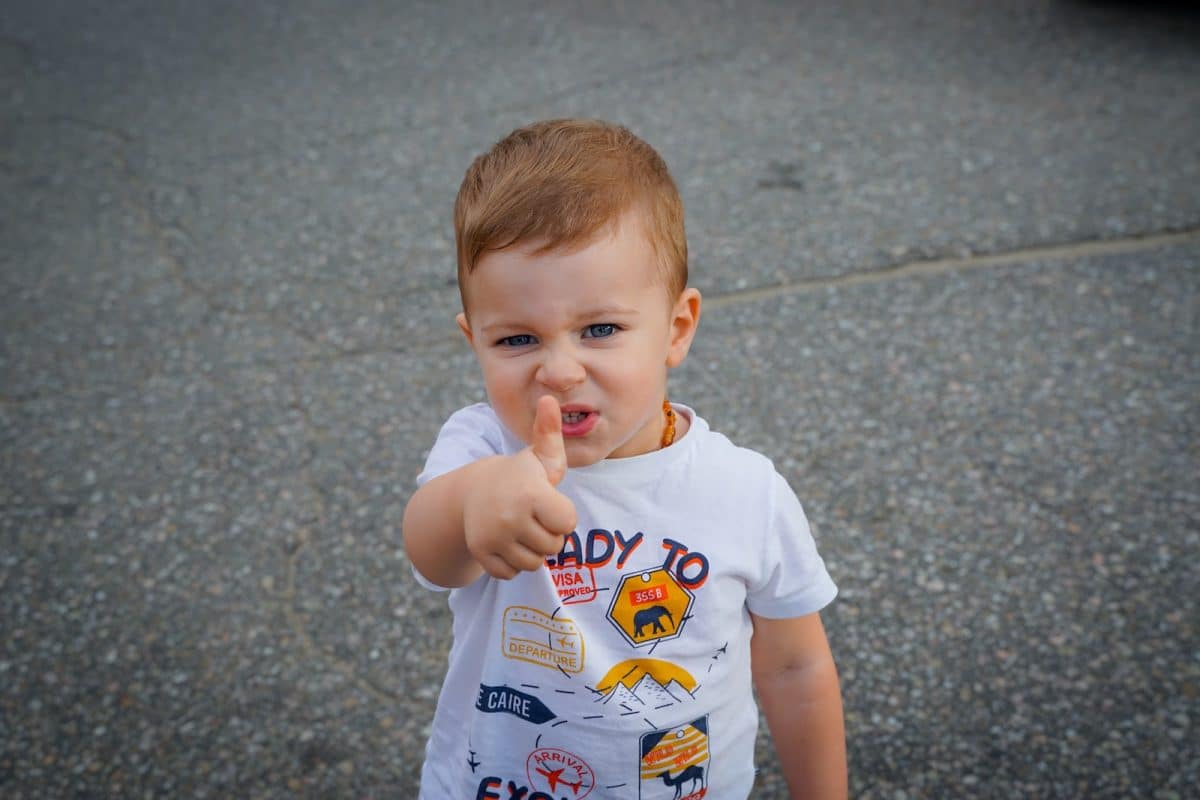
553,770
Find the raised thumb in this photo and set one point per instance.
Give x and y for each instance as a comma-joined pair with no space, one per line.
547,443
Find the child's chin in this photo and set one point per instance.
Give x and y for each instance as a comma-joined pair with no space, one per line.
582,456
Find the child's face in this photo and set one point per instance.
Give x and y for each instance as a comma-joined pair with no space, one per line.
594,328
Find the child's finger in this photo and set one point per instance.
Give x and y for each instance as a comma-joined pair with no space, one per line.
555,512
520,557
497,567
547,442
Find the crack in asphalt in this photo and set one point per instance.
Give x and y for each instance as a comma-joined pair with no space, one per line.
287,599
939,266
164,236
309,647
170,237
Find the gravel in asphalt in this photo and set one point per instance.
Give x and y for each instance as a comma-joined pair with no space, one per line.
950,253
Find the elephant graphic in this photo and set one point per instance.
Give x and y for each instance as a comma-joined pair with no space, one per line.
651,616
694,773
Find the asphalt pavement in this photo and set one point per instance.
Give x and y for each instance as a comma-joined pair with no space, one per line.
951,260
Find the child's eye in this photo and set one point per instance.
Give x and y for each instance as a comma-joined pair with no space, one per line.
599,331
519,340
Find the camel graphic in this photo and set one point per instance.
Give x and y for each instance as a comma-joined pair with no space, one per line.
651,616
694,773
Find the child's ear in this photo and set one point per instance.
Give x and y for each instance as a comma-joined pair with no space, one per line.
465,327
685,317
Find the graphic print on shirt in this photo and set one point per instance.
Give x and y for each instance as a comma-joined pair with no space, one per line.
554,770
573,570
643,686
650,606
574,584
551,773
507,700
544,639
674,763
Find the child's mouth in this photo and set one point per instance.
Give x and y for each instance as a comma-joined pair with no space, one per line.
576,422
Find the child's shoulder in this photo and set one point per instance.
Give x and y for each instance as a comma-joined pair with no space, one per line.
720,454
469,434
477,415
480,421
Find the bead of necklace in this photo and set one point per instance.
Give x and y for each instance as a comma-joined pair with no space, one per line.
668,435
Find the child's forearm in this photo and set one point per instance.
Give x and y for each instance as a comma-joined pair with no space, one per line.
797,684
434,535
803,707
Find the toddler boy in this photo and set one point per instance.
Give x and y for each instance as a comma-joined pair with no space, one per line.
619,572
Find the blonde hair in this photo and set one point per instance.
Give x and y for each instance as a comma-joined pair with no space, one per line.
561,182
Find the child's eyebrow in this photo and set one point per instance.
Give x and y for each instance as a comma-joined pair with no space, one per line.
609,311
501,326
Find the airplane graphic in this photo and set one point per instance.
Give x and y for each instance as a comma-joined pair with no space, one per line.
472,762
554,777
564,642
721,651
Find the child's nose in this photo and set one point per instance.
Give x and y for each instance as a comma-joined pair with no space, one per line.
560,370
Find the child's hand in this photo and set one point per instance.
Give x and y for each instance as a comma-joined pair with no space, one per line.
515,518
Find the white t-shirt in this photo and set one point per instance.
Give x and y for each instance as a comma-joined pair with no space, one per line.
622,668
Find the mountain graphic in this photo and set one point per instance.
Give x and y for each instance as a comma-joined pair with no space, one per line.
646,693
676,689
619,695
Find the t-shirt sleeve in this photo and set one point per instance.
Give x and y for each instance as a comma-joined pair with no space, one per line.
470,434
793,580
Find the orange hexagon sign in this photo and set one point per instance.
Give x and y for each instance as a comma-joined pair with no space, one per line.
650,606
